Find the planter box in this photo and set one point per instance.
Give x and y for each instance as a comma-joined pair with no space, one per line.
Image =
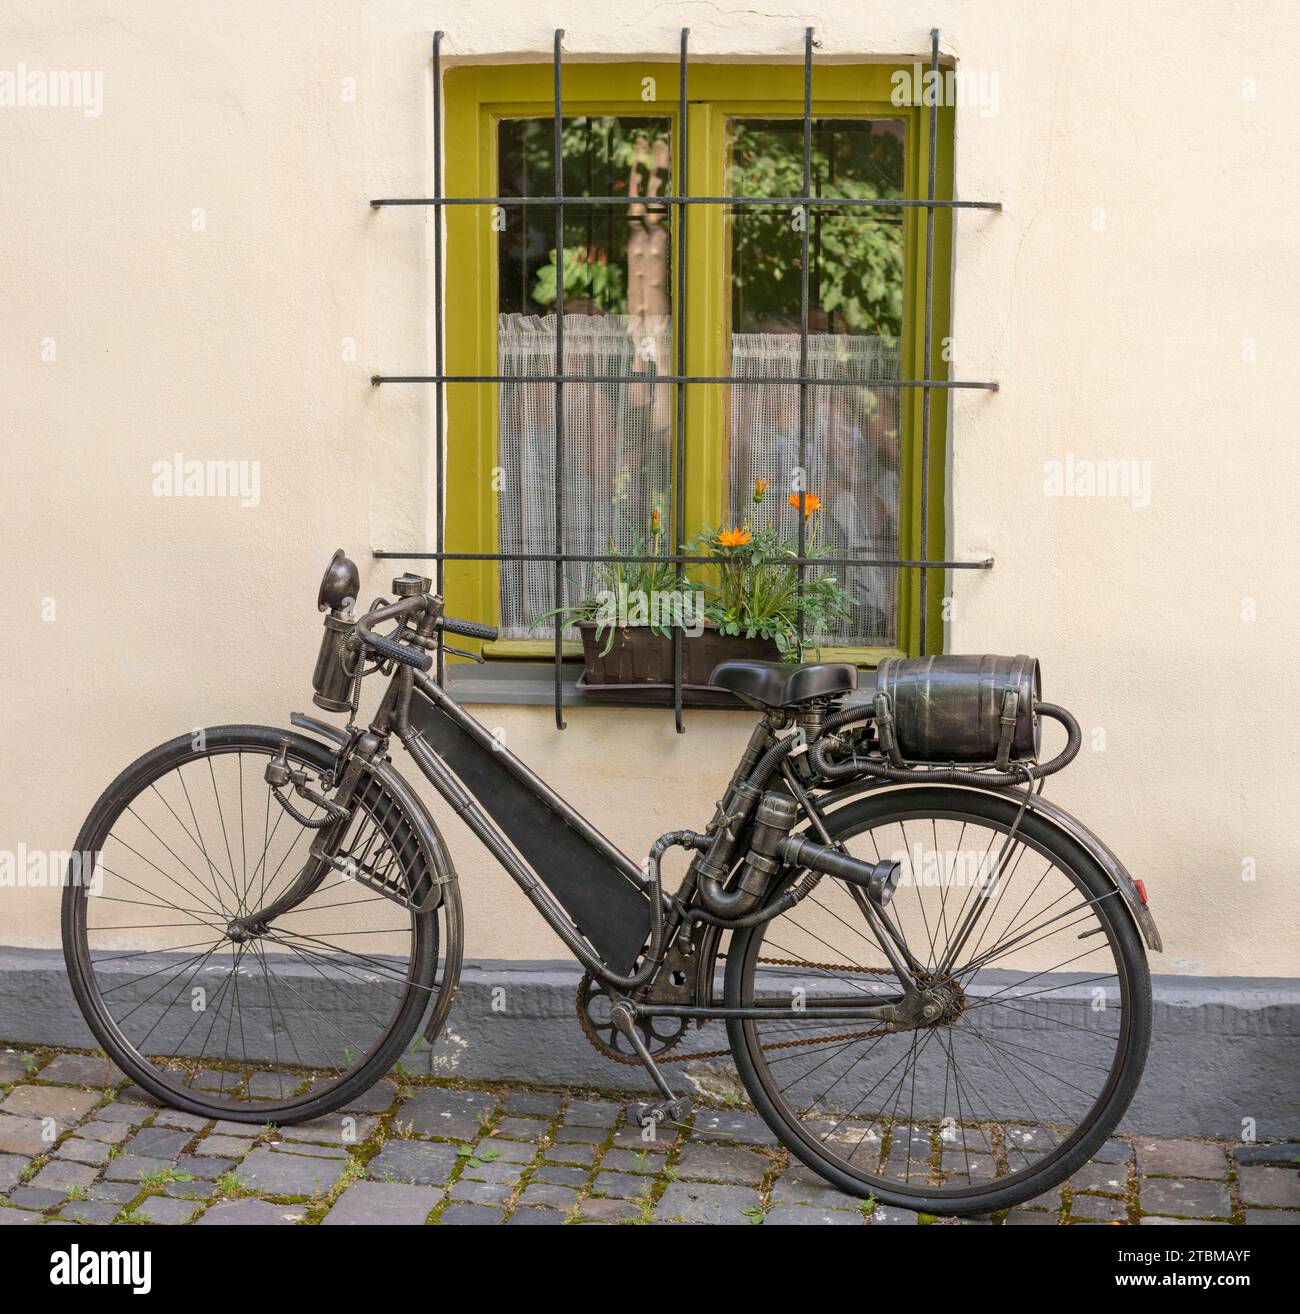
638,669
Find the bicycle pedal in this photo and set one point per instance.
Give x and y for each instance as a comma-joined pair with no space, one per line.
649,1113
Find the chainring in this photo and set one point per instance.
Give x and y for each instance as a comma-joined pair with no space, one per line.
660,1034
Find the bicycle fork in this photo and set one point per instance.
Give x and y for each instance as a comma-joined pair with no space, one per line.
323,856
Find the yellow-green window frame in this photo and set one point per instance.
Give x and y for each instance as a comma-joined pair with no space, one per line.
477,97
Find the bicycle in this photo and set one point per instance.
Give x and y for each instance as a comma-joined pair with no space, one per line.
932,980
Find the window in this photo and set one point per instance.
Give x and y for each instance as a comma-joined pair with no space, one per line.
743,305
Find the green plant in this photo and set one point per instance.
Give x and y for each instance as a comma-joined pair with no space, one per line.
588,273
624,592
753,593
230,1184
476,1159
163,1176
858,254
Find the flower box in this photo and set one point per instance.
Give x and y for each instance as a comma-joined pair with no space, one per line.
638,668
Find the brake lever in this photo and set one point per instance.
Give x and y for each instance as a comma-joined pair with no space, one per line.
460,652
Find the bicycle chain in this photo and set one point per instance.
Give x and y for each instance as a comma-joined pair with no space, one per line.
633,1062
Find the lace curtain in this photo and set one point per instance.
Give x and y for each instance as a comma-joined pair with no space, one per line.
852,453
619,444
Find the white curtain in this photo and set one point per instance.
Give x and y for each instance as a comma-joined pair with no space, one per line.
617,452
852,458
618,443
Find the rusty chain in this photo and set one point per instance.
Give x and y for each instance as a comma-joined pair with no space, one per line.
632,1061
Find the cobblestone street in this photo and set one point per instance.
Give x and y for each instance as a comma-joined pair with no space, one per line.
78,1143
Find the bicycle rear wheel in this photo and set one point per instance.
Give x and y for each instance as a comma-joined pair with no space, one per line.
1046,1009
273,1027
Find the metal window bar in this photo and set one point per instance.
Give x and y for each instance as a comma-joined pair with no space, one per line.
559,378
658,204
931,154
679,321
680,379
803,321
439,396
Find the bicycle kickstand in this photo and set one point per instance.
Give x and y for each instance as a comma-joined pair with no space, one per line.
672,1108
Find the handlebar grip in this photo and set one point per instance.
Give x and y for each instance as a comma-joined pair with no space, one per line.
470,629
397,651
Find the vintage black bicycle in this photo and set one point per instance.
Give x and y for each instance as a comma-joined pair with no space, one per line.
932,980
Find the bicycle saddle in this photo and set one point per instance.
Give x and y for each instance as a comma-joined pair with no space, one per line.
780,684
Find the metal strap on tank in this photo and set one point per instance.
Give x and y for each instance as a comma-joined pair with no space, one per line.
885,731
1010,704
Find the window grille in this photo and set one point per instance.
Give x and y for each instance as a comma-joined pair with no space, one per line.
543,354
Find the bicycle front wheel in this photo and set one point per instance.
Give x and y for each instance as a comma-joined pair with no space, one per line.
275,1026
1046,1009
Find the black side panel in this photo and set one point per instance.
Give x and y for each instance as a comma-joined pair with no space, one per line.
605,906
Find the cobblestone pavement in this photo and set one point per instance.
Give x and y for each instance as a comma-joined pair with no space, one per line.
79,1143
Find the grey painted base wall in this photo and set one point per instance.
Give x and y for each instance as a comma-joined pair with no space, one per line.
1223,1050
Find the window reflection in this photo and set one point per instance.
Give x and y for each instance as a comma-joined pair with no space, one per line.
855,286
617,323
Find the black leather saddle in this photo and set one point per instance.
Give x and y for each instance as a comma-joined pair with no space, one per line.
780,684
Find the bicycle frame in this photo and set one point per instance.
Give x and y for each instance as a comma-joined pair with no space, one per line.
655,951
597,900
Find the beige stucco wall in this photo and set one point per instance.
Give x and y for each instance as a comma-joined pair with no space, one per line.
131,617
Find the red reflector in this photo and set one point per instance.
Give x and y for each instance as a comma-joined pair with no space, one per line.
1142,892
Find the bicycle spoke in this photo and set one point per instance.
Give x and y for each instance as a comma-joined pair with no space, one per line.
319,993
1014,1072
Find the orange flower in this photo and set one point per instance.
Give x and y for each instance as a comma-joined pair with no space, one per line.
654,519
760,489
733,538
811,502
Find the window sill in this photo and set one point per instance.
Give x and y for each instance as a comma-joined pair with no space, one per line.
543,651
512,682
532,683
530,649
863,658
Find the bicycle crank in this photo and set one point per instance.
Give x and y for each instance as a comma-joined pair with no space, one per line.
596,1017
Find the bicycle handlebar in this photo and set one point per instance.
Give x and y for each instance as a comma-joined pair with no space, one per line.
400,652
470,629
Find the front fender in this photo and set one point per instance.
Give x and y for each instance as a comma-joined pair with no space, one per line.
1048,811
439,858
